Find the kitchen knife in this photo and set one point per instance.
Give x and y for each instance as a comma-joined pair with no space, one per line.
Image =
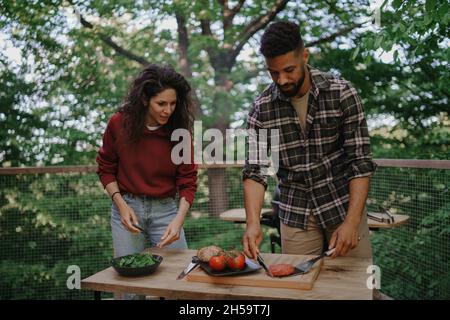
261,262
195,262
137,227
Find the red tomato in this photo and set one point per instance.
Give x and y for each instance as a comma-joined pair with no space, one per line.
236,261
217,263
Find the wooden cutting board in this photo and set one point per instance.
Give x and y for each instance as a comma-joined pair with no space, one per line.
260,279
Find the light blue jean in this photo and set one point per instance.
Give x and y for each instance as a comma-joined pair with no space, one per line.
154,216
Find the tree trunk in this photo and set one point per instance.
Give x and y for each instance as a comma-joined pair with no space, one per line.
217,185
217,180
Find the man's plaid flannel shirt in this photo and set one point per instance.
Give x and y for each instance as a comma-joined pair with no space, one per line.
315,166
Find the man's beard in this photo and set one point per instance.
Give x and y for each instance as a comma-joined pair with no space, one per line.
294,91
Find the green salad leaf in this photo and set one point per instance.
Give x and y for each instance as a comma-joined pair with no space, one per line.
137,260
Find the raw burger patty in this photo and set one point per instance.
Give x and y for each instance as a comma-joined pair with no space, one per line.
282,269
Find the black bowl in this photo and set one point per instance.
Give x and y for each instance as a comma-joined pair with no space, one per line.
140,271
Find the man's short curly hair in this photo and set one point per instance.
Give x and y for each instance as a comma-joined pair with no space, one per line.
280,38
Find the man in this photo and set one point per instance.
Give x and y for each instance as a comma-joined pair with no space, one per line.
324,154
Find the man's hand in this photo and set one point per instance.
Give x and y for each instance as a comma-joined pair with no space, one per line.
253,199
252,239
344,238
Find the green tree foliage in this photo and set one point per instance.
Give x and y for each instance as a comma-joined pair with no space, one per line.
18,123
81,56
414,88
77,58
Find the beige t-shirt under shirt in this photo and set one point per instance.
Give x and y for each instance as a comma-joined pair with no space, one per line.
301,106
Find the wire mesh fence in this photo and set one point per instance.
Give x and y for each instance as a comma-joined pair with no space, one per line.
51,221
414,258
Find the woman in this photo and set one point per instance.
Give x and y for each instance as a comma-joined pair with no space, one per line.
135,165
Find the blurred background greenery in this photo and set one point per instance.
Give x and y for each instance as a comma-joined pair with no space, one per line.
66,65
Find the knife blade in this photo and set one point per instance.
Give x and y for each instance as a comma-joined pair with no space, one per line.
194,263
261,262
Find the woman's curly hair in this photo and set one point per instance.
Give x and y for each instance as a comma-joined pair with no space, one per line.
280,38
151,81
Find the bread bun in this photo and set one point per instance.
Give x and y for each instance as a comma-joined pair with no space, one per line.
205,253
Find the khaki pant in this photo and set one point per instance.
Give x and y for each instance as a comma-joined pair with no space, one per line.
311,241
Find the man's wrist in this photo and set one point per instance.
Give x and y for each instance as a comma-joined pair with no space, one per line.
353,220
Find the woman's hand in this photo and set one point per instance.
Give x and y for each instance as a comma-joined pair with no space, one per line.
127,215
128,218
172,232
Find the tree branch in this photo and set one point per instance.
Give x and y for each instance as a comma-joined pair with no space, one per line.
237,7
336,34
228,14
256,25
213,52
261,21
183,45
111,43
206,27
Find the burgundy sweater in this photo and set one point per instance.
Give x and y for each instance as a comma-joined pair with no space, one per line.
145,167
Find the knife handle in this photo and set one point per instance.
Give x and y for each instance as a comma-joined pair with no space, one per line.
329,252
324,254
261,262
332,250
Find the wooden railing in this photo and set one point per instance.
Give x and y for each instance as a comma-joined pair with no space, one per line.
391,163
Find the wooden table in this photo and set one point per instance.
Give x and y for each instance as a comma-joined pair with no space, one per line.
399,219
238,215
341,278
